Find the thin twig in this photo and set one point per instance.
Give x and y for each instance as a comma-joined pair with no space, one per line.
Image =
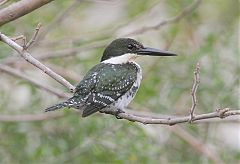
184,12
27,56
33,39
17,38
194,90
37,83
26,44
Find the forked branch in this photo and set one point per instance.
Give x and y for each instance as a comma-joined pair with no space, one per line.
194,90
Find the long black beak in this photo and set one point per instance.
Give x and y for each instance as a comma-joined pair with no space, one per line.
154,52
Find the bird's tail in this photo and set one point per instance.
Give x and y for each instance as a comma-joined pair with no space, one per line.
57,106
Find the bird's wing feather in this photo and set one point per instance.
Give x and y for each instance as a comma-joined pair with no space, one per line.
104,84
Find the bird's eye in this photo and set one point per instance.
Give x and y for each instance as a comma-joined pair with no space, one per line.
130,46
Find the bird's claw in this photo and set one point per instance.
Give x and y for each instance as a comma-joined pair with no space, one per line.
118,112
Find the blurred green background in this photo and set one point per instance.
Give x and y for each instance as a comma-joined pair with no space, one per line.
208,35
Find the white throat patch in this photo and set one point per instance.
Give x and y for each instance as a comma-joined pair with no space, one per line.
121,59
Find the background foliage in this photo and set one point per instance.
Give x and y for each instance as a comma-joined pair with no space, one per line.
208,35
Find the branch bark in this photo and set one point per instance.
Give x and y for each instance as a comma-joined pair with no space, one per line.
19,9
37,83
220,113
27,56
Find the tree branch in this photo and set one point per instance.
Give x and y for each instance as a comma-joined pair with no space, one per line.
27,56
221,113
25,47
19,9
184,12
145,114
20,74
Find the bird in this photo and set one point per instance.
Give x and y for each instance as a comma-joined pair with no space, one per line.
110,86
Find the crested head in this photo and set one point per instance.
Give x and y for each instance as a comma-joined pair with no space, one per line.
120,47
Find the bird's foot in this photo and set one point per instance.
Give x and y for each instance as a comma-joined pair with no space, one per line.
118,112
113,112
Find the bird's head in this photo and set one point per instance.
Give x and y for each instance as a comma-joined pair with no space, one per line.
123,50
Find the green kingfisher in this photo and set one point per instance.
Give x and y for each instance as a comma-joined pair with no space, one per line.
111,85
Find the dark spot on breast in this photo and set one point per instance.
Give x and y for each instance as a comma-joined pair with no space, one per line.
134,89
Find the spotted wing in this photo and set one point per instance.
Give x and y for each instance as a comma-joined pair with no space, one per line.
104,84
